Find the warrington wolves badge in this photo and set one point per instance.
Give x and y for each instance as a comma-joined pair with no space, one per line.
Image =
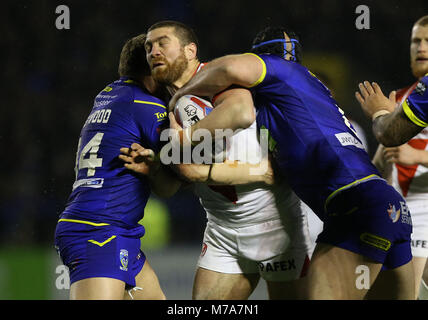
123,259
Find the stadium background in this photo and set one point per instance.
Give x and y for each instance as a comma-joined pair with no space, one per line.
51,76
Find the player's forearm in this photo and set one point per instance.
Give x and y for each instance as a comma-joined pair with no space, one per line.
234,173
385,168
219,75
226,173
193,172
235,111
164,182
394,129
212,79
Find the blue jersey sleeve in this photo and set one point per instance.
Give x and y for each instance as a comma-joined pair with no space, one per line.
151,117
416,105
268,75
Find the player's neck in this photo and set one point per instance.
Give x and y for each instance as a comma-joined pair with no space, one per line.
149,84
187,74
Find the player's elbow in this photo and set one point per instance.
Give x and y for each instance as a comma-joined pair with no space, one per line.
246,115
243,109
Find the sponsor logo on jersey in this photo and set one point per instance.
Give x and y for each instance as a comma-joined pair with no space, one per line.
347,139
123,256
89,183
393,214
421,88
375,241
405,216
160,116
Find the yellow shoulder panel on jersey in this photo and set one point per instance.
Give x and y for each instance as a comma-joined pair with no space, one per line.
149,102
409,113
263,75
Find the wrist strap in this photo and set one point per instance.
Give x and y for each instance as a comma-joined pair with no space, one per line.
379,113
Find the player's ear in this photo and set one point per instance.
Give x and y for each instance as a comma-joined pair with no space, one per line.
191,51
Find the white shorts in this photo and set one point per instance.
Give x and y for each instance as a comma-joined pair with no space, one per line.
419,212
264,248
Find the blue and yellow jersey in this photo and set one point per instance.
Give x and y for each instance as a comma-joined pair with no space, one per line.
313,143
416,105
105,192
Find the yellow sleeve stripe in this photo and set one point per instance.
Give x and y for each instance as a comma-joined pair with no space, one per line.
263,75
149,102
409,113
85,222
100,244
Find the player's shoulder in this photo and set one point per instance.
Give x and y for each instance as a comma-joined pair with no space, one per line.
130,92
143,99
118,91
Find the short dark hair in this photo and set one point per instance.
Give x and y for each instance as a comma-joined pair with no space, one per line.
423,21
132,62
183,32
276,48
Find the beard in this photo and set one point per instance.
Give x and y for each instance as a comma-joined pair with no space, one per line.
170,72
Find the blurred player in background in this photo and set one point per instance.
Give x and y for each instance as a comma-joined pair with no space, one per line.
405,166
252,231
98,235
366,221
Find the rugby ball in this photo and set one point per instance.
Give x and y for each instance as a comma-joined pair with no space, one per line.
189,109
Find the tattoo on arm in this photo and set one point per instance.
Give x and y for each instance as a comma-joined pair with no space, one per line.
395,128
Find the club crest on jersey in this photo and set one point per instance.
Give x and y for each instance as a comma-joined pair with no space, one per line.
394,215
123,256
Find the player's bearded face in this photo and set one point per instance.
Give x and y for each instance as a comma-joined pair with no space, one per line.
419,51
169,72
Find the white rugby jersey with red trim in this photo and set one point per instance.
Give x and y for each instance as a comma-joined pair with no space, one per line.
246,205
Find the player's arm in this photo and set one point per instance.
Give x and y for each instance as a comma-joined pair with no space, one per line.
243,70
391,126
384,167
227,173
163,180
233,109
406,155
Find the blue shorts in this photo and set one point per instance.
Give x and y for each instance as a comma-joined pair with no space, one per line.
371,219
100,251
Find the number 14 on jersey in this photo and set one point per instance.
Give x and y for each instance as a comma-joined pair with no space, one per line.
87,157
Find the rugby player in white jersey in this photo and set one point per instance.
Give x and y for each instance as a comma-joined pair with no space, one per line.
252,231
409,170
